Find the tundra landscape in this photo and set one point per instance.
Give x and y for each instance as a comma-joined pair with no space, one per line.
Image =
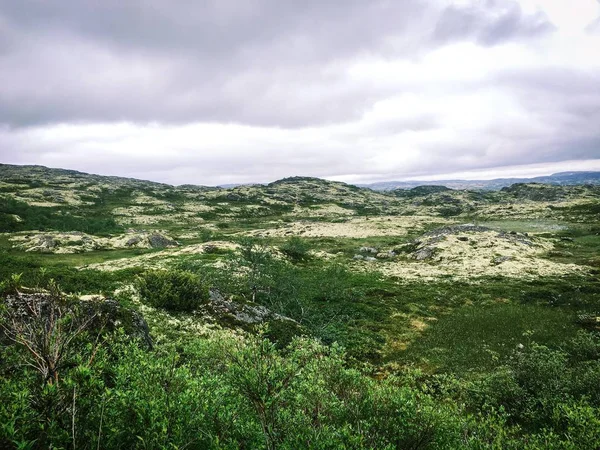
289,225
303,313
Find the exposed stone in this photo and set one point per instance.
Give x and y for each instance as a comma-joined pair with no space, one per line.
78,242
368,250
500,259
424,253
229,311
158,240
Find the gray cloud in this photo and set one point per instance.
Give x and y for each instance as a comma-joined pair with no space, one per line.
490,22
594,27
260,62
226,91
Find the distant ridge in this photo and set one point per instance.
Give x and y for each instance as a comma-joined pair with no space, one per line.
560,178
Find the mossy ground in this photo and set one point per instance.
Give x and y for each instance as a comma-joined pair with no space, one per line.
432,313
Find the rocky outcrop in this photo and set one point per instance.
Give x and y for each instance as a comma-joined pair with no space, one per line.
242,314
78,242
429,244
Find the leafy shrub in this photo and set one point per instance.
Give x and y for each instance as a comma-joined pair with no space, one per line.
175,290
295,248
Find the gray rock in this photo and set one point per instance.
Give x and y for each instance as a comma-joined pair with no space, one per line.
368,250
229,311
500,259
133,241
358,257
424,253
158,240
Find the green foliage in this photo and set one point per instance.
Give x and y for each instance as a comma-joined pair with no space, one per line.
296,249
52,218
174,290
11,285
36,270
226,391
221,392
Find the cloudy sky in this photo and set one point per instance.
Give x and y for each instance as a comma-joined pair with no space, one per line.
229,91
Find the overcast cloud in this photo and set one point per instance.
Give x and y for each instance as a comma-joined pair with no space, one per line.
225,91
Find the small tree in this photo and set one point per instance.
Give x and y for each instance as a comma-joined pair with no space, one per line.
46,326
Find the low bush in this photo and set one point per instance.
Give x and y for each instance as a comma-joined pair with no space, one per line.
175,290
296,249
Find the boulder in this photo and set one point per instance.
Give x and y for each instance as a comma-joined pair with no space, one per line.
368,250
158,240
424,253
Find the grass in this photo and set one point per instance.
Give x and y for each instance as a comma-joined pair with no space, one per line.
478,337
385,319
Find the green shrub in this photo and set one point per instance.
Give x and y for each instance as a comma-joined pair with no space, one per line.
295,248
174,290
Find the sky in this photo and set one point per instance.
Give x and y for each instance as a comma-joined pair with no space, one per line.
227,91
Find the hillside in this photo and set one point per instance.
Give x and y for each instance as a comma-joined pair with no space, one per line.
560,178
464,303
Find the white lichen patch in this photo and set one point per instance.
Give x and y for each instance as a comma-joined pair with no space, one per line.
468,255
164,258
49,197
358,227
78,242
322,211
196,207
528,209
137,215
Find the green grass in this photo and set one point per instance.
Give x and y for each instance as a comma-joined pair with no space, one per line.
478,337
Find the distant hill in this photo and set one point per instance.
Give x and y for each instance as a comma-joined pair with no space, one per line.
560,178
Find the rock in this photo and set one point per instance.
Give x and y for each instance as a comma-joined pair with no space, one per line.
500,259
370,258
226,311
158,240
368,250
210,248
424,253
133,241
358,257
520,346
